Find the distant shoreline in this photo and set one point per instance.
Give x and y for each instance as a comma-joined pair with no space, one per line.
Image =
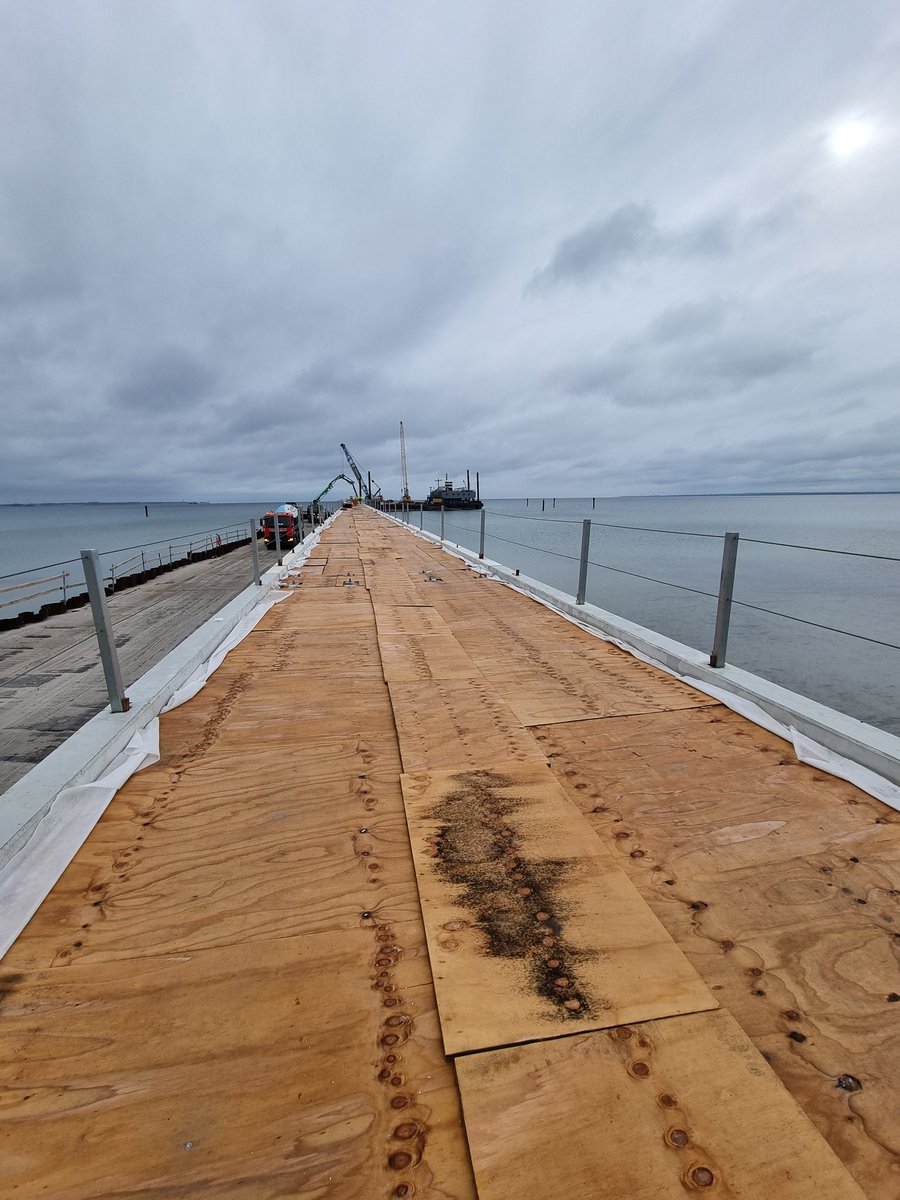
530,496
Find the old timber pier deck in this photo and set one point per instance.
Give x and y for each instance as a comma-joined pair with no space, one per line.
434,894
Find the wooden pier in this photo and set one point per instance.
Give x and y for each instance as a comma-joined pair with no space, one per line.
434,894
51,681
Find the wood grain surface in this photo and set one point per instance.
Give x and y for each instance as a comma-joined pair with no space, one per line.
278,1072
458,723
781,884
229,991
650,1112
533,930
420,657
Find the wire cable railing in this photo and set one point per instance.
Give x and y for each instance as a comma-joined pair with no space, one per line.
148,557
603,524
724,596
692,533
862,637
652,579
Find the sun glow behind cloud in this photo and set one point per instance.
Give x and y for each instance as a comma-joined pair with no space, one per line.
849,137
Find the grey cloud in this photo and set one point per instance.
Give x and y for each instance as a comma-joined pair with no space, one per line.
628,233
632,234
188,252
689,320
169,378
698,353
711,237
740,361
35,285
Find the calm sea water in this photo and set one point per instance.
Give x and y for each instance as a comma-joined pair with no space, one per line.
31,536
850,593
856,594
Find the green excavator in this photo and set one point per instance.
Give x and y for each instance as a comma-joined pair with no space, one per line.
313,507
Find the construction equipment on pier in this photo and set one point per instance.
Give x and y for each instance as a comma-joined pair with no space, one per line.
368,490
404,474
313,506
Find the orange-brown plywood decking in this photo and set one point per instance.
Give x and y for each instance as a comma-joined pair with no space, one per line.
229,993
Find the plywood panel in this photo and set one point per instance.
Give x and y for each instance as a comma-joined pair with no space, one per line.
781,885
334,653
707,788
582,694
533,931
456,723
647,1112
412,657
391,619
322,609
406,595
282,1064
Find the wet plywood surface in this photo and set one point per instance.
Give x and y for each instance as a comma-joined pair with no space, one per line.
650,1112
533,930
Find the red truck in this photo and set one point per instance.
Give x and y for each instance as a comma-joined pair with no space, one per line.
290,526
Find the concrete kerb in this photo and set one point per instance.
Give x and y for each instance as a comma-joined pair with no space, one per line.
872,748
84,756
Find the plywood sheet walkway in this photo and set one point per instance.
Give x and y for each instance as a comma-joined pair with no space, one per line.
665,964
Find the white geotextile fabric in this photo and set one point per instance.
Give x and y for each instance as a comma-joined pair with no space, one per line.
26,880
807,750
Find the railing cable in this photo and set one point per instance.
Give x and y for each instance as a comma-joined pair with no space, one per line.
816,624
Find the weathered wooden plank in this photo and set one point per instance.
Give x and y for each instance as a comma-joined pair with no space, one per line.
533,930
458,723
647,1112
46,701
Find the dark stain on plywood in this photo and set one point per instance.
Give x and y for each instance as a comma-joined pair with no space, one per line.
517,902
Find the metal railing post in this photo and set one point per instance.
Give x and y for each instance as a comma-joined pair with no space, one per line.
583,565
726,591
481,537
277,538
421,519
254,555
118,701
442,522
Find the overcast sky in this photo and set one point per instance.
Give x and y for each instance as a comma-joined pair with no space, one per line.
587,247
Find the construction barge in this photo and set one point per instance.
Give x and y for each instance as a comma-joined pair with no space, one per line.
442,497
433,893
